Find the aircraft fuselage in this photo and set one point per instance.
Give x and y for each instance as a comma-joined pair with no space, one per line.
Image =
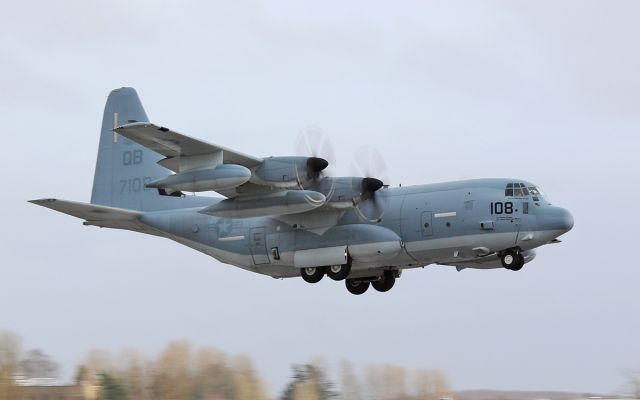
465,224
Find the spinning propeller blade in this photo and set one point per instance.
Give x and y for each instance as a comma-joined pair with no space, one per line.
371,204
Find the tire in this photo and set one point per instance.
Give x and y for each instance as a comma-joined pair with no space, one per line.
312,274
339,272
512,260
385,283
356,287
520,263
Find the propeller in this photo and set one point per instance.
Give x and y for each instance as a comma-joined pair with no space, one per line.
313,143
371,203
315,165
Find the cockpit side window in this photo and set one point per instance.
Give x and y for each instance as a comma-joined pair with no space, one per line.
509,190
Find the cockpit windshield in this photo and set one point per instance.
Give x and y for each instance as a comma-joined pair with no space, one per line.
536,191
519,189
516,190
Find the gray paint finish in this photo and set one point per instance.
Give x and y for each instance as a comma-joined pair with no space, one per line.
414,226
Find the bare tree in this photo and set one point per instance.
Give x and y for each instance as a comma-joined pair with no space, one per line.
135,375
248,385
351,389
386,382
633,382
431,384
9,364
213,377
98,361
37,364
308,382
172,373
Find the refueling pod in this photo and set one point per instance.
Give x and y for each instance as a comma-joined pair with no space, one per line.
223,176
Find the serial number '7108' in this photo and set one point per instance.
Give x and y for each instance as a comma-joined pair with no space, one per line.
133,185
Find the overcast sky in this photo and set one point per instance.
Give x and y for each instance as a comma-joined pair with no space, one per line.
545,91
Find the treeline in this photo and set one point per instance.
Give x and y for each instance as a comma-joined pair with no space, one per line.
182,371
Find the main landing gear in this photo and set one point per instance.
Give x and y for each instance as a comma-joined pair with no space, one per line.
383,283
336,272
512,259
339,272
312,274
355,286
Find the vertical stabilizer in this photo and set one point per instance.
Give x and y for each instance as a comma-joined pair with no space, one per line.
123,166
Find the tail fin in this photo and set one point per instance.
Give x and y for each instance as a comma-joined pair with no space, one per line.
123,166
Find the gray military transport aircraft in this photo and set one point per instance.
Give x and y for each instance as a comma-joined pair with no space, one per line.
283,217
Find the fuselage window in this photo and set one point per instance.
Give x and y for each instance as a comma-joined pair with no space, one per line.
525,208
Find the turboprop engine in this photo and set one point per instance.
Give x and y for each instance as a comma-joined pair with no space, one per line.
288,172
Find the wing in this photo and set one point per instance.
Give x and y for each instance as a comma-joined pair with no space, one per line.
175,146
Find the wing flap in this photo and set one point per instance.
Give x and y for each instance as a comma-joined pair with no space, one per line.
174,145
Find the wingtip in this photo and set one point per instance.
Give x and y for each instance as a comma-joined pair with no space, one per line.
42,201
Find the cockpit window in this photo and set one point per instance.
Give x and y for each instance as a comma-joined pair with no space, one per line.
519,189
509,191
535,191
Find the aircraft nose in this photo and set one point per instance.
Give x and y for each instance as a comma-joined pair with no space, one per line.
556,219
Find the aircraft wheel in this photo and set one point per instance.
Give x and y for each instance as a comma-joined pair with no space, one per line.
519,264
312,274
512,260
339,272
385,283
356,287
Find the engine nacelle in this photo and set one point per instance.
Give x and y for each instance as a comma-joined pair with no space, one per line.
223,176
286,172
281,203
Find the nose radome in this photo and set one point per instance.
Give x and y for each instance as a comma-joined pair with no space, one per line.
565,219
556,218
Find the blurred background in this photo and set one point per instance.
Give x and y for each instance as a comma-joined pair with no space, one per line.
544,91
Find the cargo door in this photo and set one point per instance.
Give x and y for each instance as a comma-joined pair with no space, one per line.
258,246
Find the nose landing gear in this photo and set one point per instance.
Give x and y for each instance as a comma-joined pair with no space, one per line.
512,259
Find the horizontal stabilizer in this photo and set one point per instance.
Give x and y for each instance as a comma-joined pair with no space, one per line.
93,214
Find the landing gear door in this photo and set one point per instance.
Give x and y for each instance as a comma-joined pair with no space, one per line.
258,246
426,223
